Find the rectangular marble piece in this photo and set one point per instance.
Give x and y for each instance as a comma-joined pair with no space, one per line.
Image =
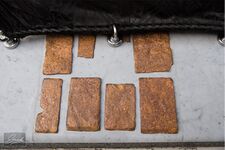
58,55
152,52
120,107
83,112
158,106
86,46
47,121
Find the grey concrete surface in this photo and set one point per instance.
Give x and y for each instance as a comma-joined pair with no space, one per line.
198,74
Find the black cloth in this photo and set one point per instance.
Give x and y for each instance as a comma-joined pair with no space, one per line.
19,18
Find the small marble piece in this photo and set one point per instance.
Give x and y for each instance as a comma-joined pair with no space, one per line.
83,112
152,53
120,107
158,106
58,56
86,46
47,121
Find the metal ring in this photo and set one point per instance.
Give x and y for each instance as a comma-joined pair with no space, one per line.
114,40
221,40
114,31
11,43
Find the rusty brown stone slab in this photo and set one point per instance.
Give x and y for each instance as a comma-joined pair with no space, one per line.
86,46
158,106
58,56
152,53
47,121
84,104
120,107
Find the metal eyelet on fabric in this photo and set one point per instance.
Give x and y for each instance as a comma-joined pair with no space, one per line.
221,39
114,40
10,43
